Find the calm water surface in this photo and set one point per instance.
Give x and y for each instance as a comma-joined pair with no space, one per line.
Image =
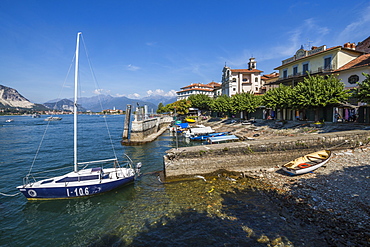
215,212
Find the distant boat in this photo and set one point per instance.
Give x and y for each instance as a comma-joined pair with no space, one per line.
35,115
80,182
307,163
9,120
52,119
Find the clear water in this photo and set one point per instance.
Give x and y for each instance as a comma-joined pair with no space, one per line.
216,212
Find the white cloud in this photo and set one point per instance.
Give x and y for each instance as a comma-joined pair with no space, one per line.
161,92
119,95
132,67
134,96
101,91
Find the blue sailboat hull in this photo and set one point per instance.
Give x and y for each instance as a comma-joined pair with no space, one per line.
67,192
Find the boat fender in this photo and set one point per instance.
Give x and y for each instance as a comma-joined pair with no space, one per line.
304,165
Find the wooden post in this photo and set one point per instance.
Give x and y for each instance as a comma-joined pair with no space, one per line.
126,125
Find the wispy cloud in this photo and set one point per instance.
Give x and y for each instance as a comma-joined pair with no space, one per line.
132,67
151,43
356,29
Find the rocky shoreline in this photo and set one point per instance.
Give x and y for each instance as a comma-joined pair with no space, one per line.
335,197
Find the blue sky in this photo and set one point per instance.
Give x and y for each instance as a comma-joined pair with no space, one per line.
141,48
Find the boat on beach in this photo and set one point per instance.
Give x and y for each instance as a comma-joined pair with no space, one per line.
102,175
225,138
190,120
307,163
201,130
204,137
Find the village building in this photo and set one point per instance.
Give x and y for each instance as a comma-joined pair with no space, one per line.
209,89
269,81
236,81
346,62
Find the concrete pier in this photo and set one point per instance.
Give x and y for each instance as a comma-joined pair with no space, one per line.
147,130
256,154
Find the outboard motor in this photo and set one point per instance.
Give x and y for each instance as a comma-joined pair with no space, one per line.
138,167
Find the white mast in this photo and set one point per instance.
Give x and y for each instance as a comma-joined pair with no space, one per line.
75,106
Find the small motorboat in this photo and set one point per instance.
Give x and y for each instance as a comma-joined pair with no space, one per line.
224,138
52,119
204,137
307,163
9,120
190,120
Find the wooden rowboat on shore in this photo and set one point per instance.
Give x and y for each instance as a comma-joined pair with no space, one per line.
307,163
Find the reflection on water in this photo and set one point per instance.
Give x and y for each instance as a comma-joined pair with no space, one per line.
216,212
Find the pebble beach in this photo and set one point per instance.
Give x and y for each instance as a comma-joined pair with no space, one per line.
335,197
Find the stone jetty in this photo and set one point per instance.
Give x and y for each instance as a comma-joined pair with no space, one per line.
266,151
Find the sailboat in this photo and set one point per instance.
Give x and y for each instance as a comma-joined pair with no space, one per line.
80,182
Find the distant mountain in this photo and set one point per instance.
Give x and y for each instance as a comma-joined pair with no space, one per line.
110,102
12,99
63,105
156,99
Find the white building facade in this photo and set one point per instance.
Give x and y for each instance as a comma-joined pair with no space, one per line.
198,88
236,81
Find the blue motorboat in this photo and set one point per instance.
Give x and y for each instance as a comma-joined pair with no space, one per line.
205,137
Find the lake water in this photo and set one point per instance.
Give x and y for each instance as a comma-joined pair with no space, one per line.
216,212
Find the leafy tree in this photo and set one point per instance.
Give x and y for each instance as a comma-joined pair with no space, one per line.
182,106
244,102
161,108
200,101
280,97
221,104
318,91
362,93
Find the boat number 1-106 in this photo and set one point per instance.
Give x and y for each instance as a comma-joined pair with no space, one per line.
78,192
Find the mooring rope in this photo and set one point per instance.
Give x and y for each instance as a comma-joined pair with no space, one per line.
9,194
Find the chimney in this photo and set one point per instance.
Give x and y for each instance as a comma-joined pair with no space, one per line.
347,45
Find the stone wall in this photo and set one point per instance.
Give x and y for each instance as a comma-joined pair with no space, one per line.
147,130
256,154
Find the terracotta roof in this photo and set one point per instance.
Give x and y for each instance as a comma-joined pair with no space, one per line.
197,85
246,70
360,61
214,84
269,76
195,89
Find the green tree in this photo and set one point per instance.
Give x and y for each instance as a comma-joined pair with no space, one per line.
278,98
244,102
182,106
221,104
362,93
318,91
200,101
161,108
